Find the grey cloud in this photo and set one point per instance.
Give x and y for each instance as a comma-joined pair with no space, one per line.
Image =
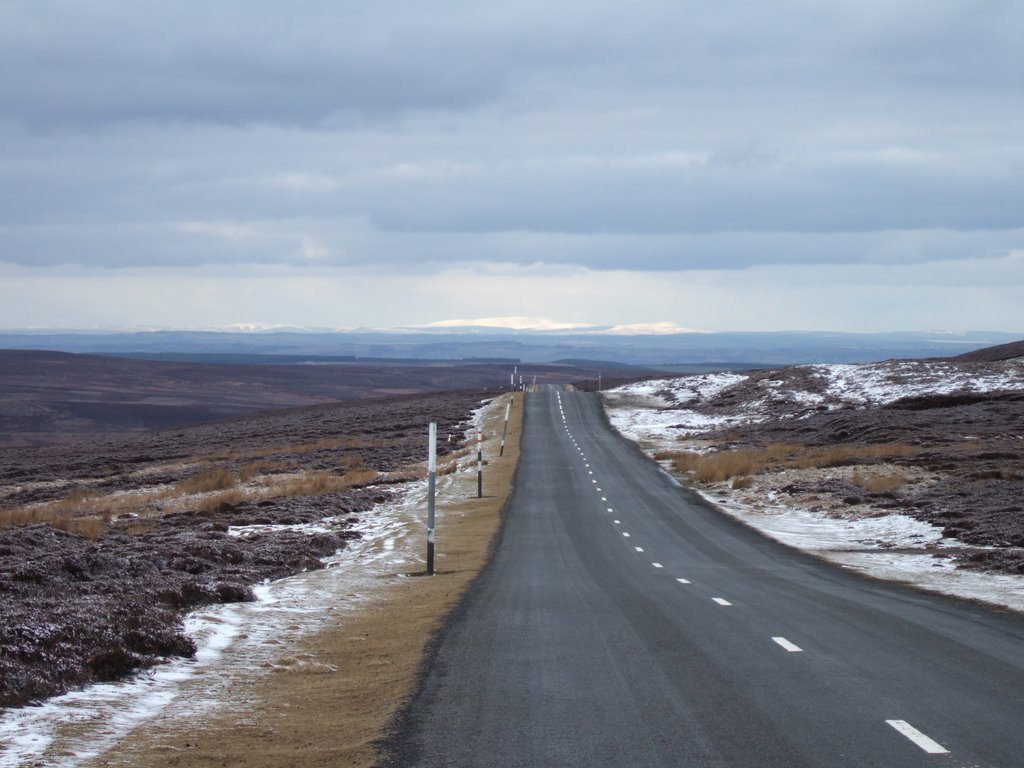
658,135
302,63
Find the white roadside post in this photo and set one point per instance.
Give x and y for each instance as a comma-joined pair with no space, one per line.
431,484
479,464
504,430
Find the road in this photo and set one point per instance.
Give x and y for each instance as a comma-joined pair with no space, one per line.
622,622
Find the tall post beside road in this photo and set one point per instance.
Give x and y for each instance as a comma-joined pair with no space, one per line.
479,464
431,485
504,430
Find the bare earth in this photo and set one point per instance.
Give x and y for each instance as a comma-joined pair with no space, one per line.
330,701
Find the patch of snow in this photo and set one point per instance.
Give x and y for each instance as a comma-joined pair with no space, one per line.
661,415
883,383
887,546
893,547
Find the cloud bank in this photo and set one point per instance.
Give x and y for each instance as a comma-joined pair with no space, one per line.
672,138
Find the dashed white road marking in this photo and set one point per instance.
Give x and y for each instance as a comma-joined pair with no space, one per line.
787,645
599,489
593,481
617,522
626,534
683,581
603,499
610,509
639,549
721,601
925,743
657,565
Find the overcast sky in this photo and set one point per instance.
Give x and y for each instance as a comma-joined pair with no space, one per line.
726,165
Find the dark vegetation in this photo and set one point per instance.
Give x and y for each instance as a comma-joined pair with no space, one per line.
86,603
55,397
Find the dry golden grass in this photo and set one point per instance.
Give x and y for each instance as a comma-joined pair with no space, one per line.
88,510
83,510
213,501
879,483
90,526
724,465
318,483
218,479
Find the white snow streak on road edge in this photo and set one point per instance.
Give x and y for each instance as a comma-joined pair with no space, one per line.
234,641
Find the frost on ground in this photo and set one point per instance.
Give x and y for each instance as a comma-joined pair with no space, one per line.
235,640
908,470
172,592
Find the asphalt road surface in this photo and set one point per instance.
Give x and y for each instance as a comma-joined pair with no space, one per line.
621,622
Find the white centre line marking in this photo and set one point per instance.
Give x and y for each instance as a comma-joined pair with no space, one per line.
721,601
787,645
929,746
657,565
590,471
598,490
639,549
617,522
594,481
610,509
603,499
683,581
625,534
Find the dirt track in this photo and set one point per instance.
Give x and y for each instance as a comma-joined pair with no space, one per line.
335,706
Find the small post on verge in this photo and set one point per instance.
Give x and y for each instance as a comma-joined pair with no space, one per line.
504,430
479,464
431,484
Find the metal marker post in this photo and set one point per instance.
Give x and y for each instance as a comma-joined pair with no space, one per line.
479,464
504,430
431,484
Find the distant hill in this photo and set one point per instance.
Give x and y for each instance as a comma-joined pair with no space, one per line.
50,396
657,350
1009,351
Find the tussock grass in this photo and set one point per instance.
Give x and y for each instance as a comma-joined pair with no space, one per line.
313,483
215,500
90,526
218,479
879,483
723,465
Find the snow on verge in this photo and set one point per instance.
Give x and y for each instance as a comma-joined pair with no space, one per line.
661,414
235,641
